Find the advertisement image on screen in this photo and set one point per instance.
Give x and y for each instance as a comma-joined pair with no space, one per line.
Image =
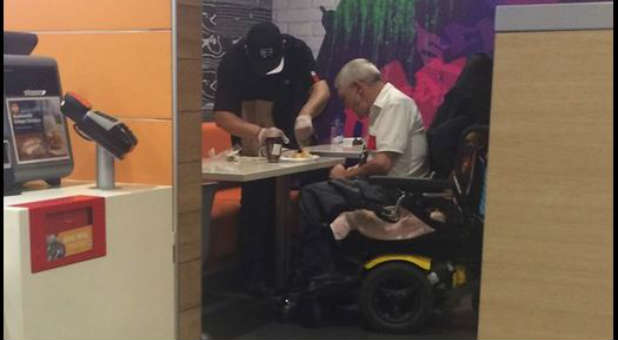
38,129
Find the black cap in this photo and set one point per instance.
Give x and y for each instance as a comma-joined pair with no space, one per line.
264,47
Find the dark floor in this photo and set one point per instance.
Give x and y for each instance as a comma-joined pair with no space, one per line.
460,325
230,314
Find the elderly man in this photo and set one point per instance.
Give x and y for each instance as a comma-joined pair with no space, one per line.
398,147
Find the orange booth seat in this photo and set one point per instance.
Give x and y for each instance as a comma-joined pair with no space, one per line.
223,232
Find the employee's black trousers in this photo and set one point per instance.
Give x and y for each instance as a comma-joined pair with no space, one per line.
257,226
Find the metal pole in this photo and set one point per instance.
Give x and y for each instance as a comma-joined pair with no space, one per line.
105,169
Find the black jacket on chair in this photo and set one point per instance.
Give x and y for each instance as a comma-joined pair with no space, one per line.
466,104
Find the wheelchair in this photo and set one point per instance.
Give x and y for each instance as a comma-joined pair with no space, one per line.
397,284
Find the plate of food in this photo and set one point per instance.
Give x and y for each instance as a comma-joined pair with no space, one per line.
298,156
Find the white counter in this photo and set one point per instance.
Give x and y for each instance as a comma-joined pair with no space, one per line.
126,294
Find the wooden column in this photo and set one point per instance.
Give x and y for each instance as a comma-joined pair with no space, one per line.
188,174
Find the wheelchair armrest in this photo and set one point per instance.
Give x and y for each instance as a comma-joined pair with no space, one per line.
411,184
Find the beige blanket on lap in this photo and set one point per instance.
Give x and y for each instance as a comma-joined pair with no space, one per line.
370,225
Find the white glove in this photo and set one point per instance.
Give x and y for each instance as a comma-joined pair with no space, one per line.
303,128
269,133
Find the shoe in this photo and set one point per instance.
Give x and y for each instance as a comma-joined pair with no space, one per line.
310,311
287,306
301,307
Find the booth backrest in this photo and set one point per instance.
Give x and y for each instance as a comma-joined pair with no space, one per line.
214,137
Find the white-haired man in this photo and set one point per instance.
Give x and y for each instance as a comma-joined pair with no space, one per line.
398,147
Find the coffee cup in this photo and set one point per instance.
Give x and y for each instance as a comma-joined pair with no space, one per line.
273,146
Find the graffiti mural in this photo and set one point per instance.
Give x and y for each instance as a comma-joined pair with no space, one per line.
419,45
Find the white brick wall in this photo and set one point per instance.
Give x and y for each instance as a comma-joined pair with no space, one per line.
302,19
302,29
278,4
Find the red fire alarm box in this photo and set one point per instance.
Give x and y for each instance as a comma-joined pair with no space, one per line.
65,231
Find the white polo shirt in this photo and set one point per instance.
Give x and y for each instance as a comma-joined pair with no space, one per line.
395,125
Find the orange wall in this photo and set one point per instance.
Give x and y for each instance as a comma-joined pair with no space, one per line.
117,54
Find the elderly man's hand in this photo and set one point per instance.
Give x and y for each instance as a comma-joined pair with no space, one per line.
338,171
303,128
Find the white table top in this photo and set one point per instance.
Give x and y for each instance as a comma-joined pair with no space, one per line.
336,150
254,168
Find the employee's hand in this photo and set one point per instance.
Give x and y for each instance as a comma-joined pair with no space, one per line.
271,132
303,128
338,171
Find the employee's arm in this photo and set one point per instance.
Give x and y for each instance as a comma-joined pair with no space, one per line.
317,99
236,125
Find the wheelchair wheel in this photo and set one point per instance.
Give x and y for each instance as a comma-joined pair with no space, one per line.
396,298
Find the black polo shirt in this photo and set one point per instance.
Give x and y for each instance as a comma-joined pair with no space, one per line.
288,89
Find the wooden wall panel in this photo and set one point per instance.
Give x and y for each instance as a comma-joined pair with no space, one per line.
189,236
190,324
189,187
547,254
189,84
190,140
61,15
190,30
189,283
189,166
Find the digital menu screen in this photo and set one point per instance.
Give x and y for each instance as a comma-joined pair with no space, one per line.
39,133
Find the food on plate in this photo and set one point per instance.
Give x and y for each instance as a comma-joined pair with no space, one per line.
232,158
231,155
301,154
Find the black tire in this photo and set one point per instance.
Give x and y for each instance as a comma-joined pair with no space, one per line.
396,297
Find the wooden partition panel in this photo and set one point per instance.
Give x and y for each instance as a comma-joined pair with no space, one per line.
548,244
188,58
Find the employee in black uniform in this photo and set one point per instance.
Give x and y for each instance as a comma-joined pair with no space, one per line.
267,86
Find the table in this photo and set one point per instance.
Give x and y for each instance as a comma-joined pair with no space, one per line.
255,168
337,150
